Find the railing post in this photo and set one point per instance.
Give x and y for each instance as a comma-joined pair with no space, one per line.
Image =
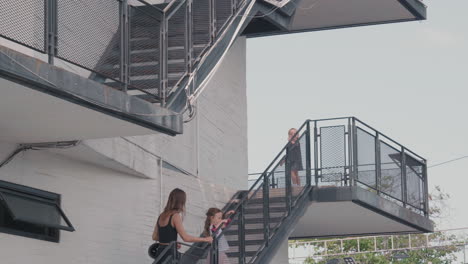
51,39
378,172
214,256
266,208
350,149
288,180
189,35
403,177
316,165
241,233
124,44
354,175
174,252
308,156
163,60
426,190
212,21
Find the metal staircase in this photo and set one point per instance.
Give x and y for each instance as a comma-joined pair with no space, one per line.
337,152
168,45
265,214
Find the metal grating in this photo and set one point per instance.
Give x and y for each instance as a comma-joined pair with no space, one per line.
390,182
366,158
223,13
144,50
414,182
177,46
332,153
201,26
24,22
89,35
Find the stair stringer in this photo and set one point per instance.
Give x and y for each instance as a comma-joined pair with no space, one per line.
285,228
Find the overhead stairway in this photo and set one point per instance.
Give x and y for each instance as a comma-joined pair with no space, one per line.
172,47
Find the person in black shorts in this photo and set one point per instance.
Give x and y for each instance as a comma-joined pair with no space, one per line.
294,157
169,225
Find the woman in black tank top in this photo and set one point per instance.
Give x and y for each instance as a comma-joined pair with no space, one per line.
169,224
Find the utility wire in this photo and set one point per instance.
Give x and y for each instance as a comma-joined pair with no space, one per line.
448,161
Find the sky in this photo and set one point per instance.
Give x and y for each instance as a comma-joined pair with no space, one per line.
408,80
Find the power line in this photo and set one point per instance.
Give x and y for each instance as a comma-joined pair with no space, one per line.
448,161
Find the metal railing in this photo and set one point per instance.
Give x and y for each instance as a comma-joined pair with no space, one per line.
337,152
349,152
131,45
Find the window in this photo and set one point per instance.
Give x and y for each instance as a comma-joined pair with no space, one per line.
30,212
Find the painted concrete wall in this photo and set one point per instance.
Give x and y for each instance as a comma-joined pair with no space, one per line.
113,189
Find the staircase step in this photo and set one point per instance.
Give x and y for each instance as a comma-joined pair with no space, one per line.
236,254
259,220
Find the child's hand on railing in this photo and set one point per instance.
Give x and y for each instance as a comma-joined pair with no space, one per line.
230,212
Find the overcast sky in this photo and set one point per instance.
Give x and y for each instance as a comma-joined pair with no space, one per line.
409,80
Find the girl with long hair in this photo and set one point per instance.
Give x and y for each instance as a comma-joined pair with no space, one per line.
214,224
169,224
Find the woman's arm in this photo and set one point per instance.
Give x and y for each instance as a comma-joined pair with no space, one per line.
155,232
177,223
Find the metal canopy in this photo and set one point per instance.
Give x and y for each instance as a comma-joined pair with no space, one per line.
312,15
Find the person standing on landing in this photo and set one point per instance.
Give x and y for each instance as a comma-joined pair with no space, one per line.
294,156
169,224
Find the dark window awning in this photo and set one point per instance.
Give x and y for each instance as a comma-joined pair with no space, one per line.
35,210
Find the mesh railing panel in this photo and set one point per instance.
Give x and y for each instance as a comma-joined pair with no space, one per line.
24,22
366,158
223,12
332,153
414,182
201,26
177,46
144,50
390,182
89,35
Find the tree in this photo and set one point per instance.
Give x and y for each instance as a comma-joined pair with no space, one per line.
435,255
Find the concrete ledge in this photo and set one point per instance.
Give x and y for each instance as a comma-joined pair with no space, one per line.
372,202
46,78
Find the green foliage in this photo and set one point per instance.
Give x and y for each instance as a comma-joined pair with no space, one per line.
439,255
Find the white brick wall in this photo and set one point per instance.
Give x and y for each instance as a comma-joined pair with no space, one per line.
113,211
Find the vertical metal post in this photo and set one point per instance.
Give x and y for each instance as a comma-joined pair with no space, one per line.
233,7
189,35
316,163
288,180
51,28
124,44
426,189
308,156
212,21
241,233
174,252
354,175
403,177
214,252
266,208
163,60
378,171
350,149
